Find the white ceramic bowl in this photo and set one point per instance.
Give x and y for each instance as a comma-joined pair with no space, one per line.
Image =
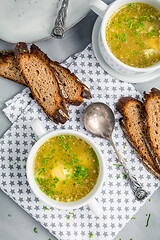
89,198
105,12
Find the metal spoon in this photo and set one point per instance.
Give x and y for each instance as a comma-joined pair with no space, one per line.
99,120
58,30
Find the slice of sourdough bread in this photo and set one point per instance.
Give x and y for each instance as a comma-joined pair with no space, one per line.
151,103
75,89
9,68
133,128
43,83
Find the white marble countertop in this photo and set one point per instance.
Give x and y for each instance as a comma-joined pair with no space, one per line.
20,225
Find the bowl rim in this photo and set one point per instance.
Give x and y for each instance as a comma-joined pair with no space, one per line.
42,196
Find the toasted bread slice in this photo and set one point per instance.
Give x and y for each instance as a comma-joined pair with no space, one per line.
9,68
152,121
74,88
133,128
43,83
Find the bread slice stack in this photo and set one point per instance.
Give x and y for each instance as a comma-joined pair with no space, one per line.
152,122
138,124
53,86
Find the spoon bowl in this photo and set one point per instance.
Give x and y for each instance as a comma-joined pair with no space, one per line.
99,120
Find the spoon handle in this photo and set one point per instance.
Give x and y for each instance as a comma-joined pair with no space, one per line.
58,30
136,187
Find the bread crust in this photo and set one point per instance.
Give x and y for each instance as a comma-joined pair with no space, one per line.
84,92
121,105
61,111
6,59
146,98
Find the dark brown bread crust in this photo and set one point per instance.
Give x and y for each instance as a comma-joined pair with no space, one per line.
146,98
4,54
61,113
121,104
153,92
7,62
84,93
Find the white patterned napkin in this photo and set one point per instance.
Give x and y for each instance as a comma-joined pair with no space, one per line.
116,197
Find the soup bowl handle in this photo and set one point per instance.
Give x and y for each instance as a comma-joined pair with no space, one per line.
99,7
95,207
38,127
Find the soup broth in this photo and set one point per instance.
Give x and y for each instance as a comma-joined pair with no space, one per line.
66,168
133,34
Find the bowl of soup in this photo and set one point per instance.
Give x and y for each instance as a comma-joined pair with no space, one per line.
65,168
129,36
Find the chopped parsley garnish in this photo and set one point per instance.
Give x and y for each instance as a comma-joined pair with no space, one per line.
96,164
91,235
124,176
60,138
56,179
133,218
148,219
35,230
130,4
34,139
94,154
9,215
118,165
80,173
70,215
46,208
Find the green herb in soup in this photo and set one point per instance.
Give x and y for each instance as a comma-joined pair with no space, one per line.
133,34
66,168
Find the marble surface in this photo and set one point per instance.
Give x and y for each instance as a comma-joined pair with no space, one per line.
20,225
